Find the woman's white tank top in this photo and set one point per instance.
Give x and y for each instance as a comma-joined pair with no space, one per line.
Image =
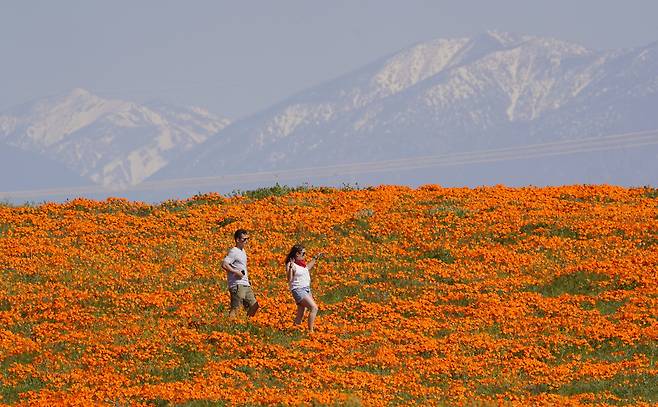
301,277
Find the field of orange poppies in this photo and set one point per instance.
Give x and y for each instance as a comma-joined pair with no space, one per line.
428,296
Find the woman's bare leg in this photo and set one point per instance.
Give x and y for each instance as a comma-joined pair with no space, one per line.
300,314
309,303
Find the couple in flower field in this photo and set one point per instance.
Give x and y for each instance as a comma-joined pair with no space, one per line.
297,274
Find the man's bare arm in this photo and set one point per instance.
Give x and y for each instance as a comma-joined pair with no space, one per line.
229,268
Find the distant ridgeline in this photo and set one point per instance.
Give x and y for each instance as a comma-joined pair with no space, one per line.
493,109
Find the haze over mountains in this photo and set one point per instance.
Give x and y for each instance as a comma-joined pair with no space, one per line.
445,96
438,98
113,143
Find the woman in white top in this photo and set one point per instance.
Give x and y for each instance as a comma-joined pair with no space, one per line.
299,283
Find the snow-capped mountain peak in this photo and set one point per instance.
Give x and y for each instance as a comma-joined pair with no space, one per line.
52,119
416,64
113,142
442,96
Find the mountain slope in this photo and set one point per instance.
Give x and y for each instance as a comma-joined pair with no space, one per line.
114,143
440,97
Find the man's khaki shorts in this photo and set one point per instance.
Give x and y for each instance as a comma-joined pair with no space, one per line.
242,294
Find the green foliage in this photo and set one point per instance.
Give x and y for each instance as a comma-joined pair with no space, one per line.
339,294
11,394
539,388
564,232
610,350
204,200
628,387
140,212
594,199
118,205
271,335
649,192
21,358
4,228
276,190
545,229
493,389
197,200
374,369
159,403
359,224
647,242
462,302
443,207
408,399
204,403
552,256
350,401
350,187
375,295
444,280
23,328
488,237
101,305
609,307
190,363
441,254
16,276
506,240
533,228
578,283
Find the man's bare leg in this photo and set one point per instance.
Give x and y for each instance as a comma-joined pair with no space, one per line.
252,310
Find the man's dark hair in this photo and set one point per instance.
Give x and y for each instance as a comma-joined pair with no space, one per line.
239,233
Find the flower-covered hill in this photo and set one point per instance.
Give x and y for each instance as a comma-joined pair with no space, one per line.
427,296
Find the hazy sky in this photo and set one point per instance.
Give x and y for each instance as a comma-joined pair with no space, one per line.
237,57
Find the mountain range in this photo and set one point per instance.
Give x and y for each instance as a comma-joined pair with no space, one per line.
445,97
108,142
496,90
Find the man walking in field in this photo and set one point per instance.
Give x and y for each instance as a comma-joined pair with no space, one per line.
235,264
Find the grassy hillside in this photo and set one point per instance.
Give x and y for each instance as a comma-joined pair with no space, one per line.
428,296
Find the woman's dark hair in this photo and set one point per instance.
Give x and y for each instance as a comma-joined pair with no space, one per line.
293,251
